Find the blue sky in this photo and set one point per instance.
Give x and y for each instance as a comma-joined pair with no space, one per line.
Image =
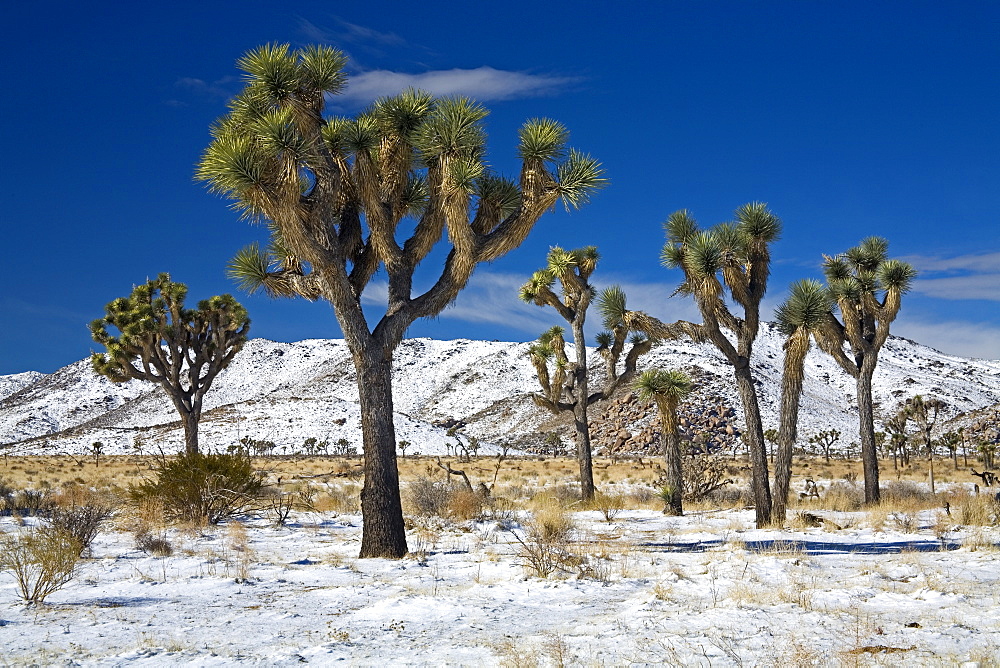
848,118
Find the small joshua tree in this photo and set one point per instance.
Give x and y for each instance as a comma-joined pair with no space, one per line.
666,389
925,414
181,350
567,388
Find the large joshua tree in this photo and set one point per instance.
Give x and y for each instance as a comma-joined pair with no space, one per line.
806,314
868,289
731,258
346,197
568,387
666,388
159,341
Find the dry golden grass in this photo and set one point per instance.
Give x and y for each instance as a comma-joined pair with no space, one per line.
332,483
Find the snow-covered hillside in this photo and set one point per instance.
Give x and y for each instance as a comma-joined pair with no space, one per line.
287,392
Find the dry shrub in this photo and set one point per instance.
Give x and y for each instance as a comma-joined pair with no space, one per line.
197,487
154,545
978,510
844,497
904,495
552,522
704,476
543,552
42,561
28,502
463,504
610,505
241,555
426,496
83,521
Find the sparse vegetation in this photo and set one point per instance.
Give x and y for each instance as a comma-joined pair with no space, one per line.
41,559
198,487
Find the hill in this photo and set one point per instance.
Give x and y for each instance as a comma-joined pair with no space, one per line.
288,392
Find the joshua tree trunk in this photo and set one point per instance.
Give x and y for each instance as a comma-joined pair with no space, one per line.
755,444
190,413
580,419
791,392
672,463
866,424
190,421
384,534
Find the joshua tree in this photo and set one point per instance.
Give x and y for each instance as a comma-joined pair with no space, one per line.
572,269
735,258
925,414
895,426
825,440
562,390
182,350
344,197
801,317
856,279
568,387
667,388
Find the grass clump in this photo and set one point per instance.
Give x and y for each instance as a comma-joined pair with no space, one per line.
197,487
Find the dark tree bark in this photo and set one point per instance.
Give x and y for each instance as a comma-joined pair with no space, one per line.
384,534
866,425
584,456
672,462
755,443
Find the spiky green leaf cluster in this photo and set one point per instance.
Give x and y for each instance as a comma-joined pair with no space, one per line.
542,139
660,384
612,306
453,128
808,303
579,177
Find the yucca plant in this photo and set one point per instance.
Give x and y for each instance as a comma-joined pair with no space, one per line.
667,388
159,341
803,316
344,198
567,387
868,287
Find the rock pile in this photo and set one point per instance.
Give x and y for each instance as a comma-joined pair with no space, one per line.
626,426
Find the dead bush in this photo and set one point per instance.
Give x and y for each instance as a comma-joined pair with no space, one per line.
42,561
844,497
978,510
83,521
610,505
427,497
153,544
442,498
464,505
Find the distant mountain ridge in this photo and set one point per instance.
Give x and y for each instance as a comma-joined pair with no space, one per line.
287,392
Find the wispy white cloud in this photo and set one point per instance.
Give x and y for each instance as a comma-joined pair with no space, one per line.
972,276
977,286
222,88
492,298
348,32
967,339
483,83
489,298
976,262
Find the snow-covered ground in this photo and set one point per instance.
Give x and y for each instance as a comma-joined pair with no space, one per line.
705,590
